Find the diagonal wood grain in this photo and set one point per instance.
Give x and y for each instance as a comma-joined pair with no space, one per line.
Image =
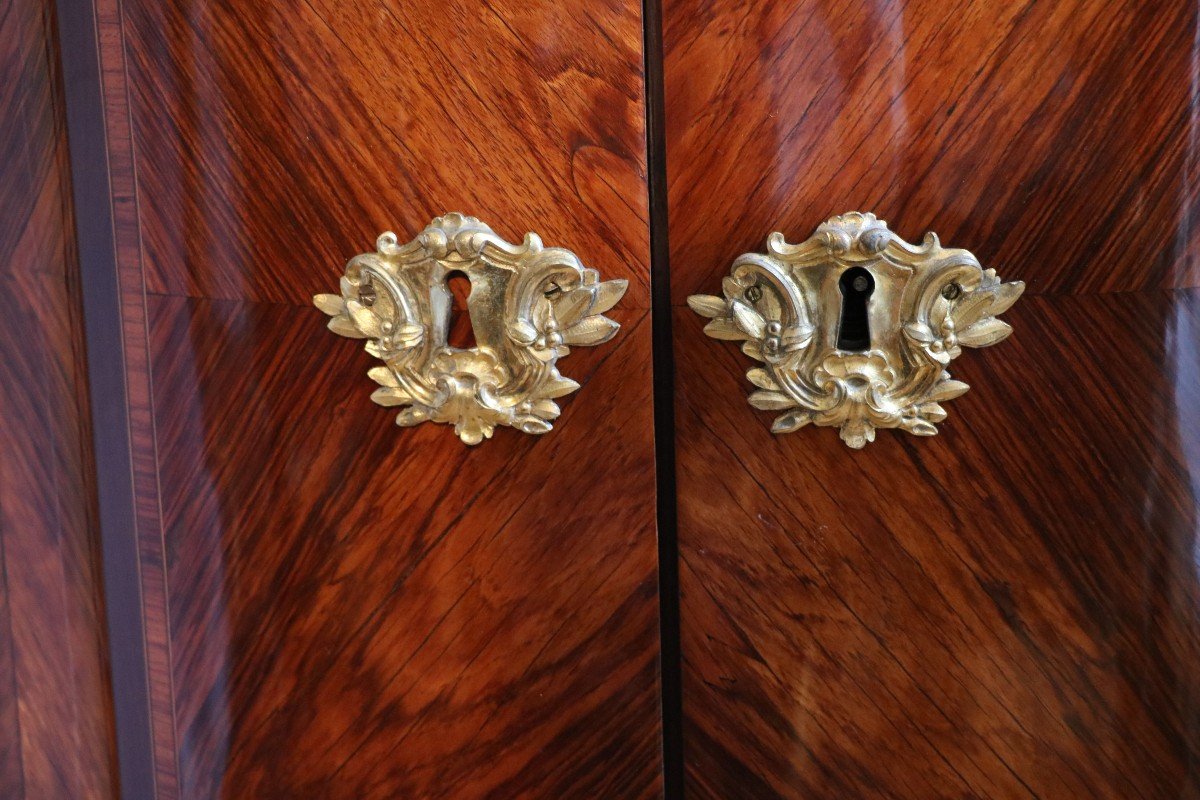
359,610
1008,609
1055,140
275,141
299,639
55,706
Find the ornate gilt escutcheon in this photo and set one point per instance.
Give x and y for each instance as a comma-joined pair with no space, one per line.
528,304
855,327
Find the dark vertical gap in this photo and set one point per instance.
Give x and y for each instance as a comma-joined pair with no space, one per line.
664,409
83,93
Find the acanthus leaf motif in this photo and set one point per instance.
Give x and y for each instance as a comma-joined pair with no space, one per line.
533,302
572,306
707,306
766,400
947,389
608,294
941,300
331,304
796,338
342,325
391,396
725,329
748,319
985,333
590,331
791,421
763,379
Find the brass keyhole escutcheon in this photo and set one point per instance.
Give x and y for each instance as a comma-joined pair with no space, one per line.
857,326
526,306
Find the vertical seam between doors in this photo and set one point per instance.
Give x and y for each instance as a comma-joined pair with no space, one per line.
664,407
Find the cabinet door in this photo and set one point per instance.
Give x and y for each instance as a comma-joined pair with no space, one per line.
310,601
1008,609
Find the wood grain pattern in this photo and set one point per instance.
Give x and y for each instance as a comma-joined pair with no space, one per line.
360,611
288,136
1056,140
1009,609
334,607
55,708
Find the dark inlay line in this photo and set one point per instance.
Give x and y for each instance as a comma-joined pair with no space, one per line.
94,229
670,651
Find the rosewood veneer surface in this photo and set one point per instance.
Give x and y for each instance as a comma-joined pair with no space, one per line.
55,710
1009,609
336,607
1053,140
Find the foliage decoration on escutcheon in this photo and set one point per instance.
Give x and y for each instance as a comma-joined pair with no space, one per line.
528,305
928,302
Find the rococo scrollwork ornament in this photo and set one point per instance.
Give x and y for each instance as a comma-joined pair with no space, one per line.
855,327
528,305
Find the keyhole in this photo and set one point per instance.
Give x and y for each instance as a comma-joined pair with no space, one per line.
854,329
461,334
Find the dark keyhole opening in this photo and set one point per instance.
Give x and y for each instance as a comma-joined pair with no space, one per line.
854,329
461,333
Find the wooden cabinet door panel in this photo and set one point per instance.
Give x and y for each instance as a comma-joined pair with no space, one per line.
330,605
1008,609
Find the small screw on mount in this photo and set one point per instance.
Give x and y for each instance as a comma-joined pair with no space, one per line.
367,294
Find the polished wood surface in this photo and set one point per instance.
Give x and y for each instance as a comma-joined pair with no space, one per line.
360,611
309,128
1053,137
335,607
56,738
1010,609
